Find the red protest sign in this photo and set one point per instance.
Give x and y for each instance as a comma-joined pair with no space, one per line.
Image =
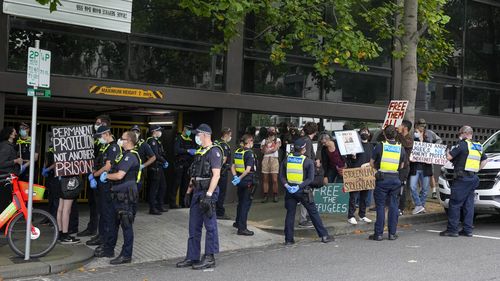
395,113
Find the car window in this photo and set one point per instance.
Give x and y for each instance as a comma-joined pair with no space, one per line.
493,144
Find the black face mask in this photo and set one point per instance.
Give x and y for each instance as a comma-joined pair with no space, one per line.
365,136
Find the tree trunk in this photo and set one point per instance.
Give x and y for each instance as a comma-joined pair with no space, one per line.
409,78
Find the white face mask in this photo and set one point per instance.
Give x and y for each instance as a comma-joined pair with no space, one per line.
197,139
138,135
158,135
119,142
96,126
417,135
228,139
102,141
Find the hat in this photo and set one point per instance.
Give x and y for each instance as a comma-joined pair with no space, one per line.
421,121
203,129
153,128
299,143
135,128
188,125
24,125
101,130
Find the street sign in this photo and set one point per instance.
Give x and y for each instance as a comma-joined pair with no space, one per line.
38,70
41,93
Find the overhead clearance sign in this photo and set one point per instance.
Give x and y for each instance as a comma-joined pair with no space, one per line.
125,92
115,15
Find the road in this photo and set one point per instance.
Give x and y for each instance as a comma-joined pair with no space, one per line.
419,254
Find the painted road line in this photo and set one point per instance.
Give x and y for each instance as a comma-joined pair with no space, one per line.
477,236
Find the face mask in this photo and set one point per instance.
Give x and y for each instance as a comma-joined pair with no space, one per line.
23,133
460,137
364,136
228,139
137,135
417,135
119,142
97,126
102,141
158,135
197,139
188,133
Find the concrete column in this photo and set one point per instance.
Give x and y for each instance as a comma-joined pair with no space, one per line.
234,64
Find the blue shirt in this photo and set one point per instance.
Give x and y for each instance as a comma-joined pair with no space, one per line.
128,161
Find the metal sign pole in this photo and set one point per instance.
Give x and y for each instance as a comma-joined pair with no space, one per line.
32,169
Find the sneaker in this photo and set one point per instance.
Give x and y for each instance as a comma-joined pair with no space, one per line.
365,219
400,212
69,240
434,195
352,220
418,210
305,224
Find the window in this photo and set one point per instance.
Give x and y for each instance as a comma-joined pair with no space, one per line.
481,101
438,96
358,88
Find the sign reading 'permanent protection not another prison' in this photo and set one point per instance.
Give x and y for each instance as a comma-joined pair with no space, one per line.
73,150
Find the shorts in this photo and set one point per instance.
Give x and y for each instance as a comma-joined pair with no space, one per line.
270,165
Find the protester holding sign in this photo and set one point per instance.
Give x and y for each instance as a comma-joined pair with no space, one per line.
356,161
420,172
333,163
433,138
406,140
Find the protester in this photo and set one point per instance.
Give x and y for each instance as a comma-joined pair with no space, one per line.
406,140
420,172
333,163
10,163
270,163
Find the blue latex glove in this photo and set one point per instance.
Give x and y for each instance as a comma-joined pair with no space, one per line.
191,151
142,166
45,172
292,188
236,180
165,165
104,177
92,181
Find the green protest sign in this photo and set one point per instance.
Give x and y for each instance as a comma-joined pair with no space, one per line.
331,199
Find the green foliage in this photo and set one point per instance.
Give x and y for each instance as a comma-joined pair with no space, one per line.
52,4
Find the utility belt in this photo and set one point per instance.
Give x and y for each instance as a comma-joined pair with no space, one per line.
124,197
308,194
463,174
382,176
201,184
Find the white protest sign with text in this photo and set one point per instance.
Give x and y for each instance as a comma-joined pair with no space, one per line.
395,113
349,142
430,153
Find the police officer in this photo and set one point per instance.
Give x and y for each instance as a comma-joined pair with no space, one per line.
224,144
23,144
184,150
156,177
387,158
124,176
145,152
108,153
296,173
93,194
467,158
205,174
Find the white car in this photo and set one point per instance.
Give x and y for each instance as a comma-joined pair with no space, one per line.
487,195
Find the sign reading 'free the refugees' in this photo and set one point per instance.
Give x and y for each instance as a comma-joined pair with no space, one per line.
357,179
330,199
430,153
73,150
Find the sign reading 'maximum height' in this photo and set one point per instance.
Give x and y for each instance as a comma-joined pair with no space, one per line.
113,15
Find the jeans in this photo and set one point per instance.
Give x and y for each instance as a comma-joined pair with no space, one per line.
419,199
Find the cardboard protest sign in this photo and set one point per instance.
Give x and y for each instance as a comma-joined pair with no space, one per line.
349,142
395,113
73,150
357,179
330,199
430,153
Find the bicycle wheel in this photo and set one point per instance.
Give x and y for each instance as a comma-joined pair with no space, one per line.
42,241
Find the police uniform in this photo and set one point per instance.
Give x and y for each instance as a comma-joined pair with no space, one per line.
298,171
23,149
243,158
93,200
124,203
156,177
467,156
205,159
183,160
387,157
221,212
107,152
145,152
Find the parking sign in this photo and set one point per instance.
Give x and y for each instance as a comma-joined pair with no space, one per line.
38,70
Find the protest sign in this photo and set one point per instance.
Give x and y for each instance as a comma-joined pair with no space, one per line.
349,142
357,179
395,113
330,199
430,153
73,150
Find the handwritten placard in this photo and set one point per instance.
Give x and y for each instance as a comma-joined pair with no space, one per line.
357,179
430,153
395,113
331,200
73,150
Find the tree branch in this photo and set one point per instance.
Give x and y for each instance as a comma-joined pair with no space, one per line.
423,29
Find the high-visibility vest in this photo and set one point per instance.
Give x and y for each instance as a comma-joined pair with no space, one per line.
295,169
239,160
473,161
391,154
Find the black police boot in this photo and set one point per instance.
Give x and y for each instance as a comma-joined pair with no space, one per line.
393,236
94,242
102,254
245,232
448,234
186,263
289,243
207,261
327,239
86,232
154,212
375,237
120,260
463,233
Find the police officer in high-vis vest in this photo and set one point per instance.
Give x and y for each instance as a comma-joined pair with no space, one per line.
147,155
243,170
296,173
387,158
124,176
223,142
156,177
23,146
467,158
184,150
203,191
109,152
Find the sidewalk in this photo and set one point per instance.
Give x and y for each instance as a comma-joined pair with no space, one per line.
165,237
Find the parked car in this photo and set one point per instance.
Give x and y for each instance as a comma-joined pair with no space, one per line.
487,195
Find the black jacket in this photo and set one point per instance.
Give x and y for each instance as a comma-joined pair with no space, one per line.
7,157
